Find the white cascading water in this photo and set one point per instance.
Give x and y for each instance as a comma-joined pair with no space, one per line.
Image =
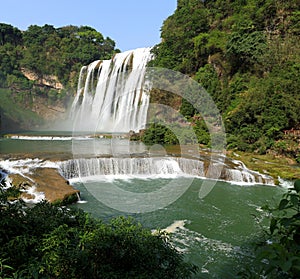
131,167
136,166
113,95
155,166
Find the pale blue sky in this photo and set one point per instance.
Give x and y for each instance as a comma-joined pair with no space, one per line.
131,24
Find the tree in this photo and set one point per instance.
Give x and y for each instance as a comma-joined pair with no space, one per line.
244,49
10,34
49,241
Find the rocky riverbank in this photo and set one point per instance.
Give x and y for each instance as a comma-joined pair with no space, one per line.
278,167
44,184
38,175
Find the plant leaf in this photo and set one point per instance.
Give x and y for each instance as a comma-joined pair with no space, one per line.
273,225
297,185
283,204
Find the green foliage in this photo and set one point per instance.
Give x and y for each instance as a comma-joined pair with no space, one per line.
208,78
48,241
45,51
192,132
159,134
244,49
279,256
202,133
246,54
64,49
13,115
210,43
10,35
178,31
269,107
187,109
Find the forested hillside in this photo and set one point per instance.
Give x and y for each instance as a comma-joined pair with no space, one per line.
42,64
246,54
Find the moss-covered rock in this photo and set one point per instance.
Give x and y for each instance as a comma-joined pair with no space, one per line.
275,166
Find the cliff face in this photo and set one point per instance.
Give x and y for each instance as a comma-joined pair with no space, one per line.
46,80
44,183
27,111
47,111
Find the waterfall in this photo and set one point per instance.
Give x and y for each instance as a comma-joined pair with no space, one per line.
154,167
157,167
112,95
130,167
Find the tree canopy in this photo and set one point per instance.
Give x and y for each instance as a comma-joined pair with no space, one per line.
46,52
245,54
50,241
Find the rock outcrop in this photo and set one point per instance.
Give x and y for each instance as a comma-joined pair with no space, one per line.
47,181
45,80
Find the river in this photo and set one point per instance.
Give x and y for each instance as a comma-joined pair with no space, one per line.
214,232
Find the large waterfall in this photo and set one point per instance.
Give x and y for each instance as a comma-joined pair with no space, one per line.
112,95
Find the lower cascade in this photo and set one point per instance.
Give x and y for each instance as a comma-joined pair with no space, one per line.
131,166
158,166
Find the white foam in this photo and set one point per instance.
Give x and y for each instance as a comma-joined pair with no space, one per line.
38,196
82,201
285,183
184,239
24,166
241,175
109,169
49,138
179,224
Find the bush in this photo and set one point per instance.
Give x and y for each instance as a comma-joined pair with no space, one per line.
48,241
159,134
278,256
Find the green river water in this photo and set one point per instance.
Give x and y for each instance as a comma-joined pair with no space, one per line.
213,232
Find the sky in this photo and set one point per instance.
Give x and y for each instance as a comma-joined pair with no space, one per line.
131,23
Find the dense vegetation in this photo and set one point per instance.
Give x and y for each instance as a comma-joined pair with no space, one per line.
47,50
278,254
246,54
46,53
48,241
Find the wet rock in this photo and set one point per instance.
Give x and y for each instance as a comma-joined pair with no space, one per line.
27,196
53,185
48,181
20,181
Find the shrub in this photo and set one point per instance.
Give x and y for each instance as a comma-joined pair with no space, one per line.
278,256
49,241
